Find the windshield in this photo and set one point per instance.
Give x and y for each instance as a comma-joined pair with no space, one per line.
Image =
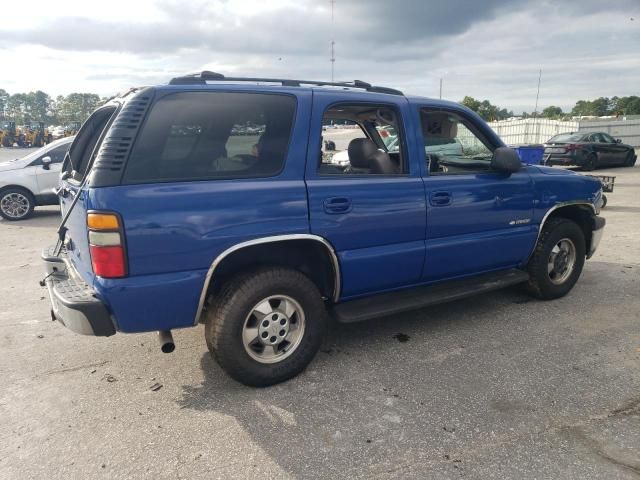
566,137
389,136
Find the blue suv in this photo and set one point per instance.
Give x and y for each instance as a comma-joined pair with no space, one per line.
217,200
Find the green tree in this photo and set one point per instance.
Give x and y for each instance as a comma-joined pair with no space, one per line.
486,110
38,106
4,98
552,112
471,103
582,108
16,107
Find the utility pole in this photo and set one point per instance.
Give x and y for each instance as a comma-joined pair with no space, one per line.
333,43
440,88
535,111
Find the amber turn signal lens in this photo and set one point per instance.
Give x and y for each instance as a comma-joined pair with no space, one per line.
102,221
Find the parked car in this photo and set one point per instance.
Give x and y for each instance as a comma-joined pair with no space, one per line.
167,228
29,182
588,150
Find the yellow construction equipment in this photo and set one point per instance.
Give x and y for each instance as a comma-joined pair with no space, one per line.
8,134
71,129
36,135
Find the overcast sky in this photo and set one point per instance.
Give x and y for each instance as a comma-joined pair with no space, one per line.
484,48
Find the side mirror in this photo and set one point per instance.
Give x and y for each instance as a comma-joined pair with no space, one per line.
618,140
46,161
506,160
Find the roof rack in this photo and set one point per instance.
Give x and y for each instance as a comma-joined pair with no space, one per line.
203,77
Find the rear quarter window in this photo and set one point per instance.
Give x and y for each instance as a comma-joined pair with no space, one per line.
212,135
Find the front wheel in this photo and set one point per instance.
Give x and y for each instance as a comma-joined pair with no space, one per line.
557,261
16,204
266,326
631,159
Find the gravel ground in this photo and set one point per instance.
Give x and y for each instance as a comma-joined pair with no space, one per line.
497,386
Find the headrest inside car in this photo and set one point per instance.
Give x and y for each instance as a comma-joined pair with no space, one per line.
439,125
360,152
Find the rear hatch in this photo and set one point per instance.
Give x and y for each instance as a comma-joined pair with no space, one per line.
74,188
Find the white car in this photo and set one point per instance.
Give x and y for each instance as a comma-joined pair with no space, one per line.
28,182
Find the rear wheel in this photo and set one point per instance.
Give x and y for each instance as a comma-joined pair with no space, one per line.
591,162
558,259
16,204
266,326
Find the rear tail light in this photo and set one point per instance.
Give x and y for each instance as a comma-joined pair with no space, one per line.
106,244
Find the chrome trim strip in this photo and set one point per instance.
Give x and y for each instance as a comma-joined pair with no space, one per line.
551,210
259,241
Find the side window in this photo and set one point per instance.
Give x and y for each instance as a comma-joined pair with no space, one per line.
84,145
210,135
598,138
451,144
607,139
57,154
361,140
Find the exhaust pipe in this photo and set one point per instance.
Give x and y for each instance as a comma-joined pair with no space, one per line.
166,341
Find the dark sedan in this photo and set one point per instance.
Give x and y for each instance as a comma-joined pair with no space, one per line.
588,150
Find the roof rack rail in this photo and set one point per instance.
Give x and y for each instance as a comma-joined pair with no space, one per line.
201,78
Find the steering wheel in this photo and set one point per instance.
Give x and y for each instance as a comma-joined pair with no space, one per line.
434,164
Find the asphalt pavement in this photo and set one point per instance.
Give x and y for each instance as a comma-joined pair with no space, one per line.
495,386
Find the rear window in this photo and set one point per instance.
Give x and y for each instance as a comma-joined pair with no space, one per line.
212,135
566,137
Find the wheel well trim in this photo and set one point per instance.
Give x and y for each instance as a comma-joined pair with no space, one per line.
20,187
558,206
271,239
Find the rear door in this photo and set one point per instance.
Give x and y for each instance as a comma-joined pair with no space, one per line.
603,149
373,214
79,157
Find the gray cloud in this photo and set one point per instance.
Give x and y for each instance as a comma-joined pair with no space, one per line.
490,48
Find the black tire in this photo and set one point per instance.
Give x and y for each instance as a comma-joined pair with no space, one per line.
631,159
20,193
231,308
540,283
590,163
604,201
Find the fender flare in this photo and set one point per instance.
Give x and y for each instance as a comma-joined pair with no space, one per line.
271,239
558,206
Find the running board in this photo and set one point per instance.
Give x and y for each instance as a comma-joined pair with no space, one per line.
420,297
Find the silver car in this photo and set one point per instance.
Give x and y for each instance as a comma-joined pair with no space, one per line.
28,182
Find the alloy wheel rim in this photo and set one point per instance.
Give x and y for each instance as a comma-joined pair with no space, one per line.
273,329
562,261
14,205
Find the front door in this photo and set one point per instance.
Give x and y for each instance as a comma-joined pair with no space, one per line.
48,178
365,194
616,152
478,220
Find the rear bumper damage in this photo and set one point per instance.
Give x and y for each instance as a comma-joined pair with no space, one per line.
73,302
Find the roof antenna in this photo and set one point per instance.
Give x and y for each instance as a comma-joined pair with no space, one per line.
333,43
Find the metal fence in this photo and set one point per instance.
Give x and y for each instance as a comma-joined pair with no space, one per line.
626,130
531,130
539,130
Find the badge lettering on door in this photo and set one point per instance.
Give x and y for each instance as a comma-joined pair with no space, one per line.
520,221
